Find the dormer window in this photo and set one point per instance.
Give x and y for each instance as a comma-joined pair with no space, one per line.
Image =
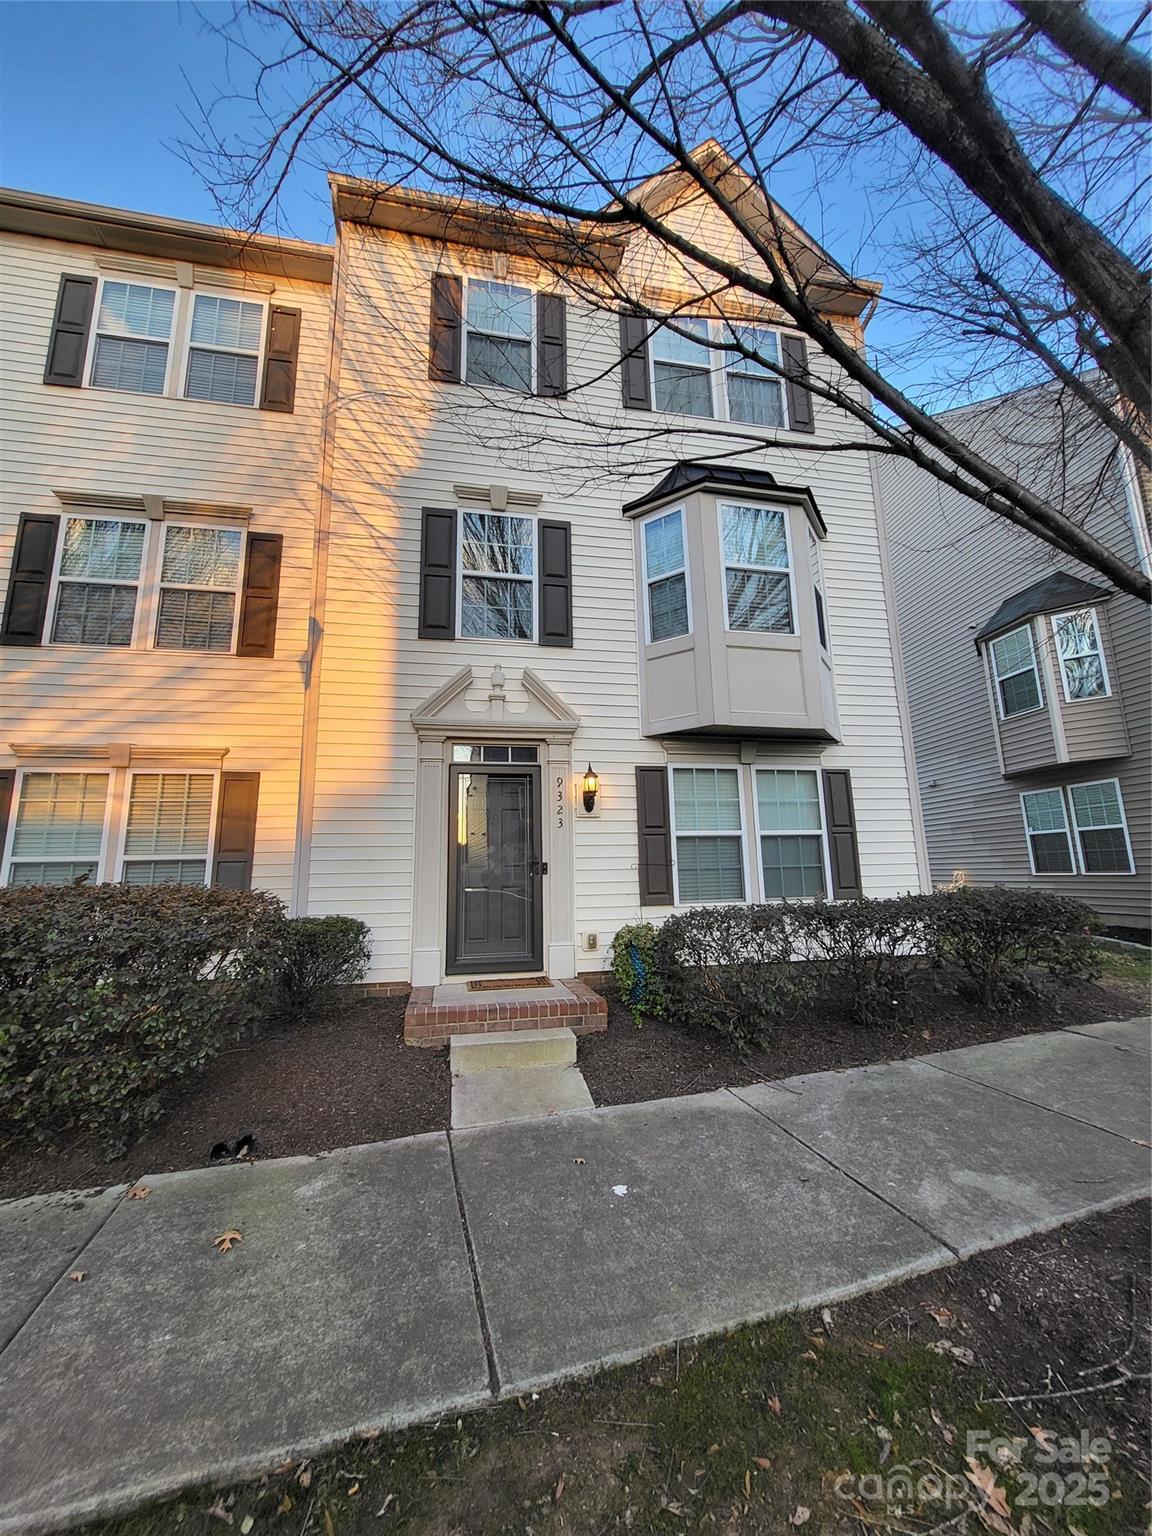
757,582
498,336
1081,655
1015,672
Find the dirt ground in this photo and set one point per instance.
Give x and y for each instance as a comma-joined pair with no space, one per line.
347,1077
1008,1394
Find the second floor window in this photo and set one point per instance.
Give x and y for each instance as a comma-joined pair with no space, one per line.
665,577
1014,671
498,335
98,581
1081,655
756,569
133,336
497,556
199,578
224,350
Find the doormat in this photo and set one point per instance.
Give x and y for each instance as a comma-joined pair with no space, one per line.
508,981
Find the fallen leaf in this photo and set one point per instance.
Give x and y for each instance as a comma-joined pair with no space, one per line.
800,1515
355,1489
925,1034
226,1241
945,1429
884,1435
826,1318
957,1351
763,1462
558,1491
383,1510
218,1512
1044,1438
139,1192
304,1477
774,1404
712,1449
984,1479
246,1524
78,1274
747,1484
940,1313
809,1354
285,1505
329,1527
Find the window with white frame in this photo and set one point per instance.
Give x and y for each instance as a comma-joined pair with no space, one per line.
199,581
682,369
1046,827
168,829
98,566
816,565
665,576
498,335
133,337
58,829
791,829
1014,670
709,834
1081,655
224,342
755,393
497,559
1101,828
757,575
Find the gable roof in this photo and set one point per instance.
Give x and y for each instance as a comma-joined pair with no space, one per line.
693,475
1060,590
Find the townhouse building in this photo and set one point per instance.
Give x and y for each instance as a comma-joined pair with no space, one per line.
1028,677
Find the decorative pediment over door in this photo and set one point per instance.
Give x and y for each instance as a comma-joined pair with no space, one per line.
470,704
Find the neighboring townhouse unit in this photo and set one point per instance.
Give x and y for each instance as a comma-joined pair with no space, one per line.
1028,676
543,555
160,394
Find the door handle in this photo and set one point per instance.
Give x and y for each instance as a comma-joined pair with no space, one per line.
538,867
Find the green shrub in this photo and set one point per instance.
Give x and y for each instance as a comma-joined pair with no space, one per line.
999,936
319,954
109,994
636,968
870,946
731,969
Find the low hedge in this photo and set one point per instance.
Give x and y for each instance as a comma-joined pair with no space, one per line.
319,955
109,994
733,969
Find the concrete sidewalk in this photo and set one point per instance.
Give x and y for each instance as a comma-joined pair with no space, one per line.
386,1284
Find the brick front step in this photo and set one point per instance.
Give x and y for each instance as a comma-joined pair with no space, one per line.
427,1022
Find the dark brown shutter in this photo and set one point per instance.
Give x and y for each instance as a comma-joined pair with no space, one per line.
446,328
555,583
801,417
7,785
438,575
551,344
279,392
69,340
257,635
842,846
26,605
655,834
634,381
236,831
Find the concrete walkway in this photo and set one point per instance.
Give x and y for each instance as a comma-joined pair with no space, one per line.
381,1285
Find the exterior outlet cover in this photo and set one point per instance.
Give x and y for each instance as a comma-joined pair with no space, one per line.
591,941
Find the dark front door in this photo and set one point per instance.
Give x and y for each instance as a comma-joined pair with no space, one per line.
494,870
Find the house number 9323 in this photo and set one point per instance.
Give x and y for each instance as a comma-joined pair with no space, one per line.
559,802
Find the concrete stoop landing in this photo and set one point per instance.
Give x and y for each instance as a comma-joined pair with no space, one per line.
436,1014
515,1075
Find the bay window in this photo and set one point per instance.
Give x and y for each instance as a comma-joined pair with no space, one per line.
709,834
1080,654
757,576
1015,673
665,576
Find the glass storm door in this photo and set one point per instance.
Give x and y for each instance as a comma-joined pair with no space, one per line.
494,870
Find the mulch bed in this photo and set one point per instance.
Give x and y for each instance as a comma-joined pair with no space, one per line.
348,1078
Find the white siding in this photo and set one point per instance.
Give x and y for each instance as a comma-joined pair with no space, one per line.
88,441
401,443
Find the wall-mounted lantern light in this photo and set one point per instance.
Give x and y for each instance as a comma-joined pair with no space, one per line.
591,788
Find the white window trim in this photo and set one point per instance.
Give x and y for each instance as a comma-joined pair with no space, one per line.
768,570
63,766
1099,652
103,515
532,581
1071,873
819,587
466,330
1122,824
997,679
158,584
741,786
718,373
172,343
117,859
181,381
761,832
647,581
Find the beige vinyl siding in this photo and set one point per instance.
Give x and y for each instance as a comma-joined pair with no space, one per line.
953,566
90,441
403,443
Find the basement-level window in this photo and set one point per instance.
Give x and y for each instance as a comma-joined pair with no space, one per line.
1015,672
